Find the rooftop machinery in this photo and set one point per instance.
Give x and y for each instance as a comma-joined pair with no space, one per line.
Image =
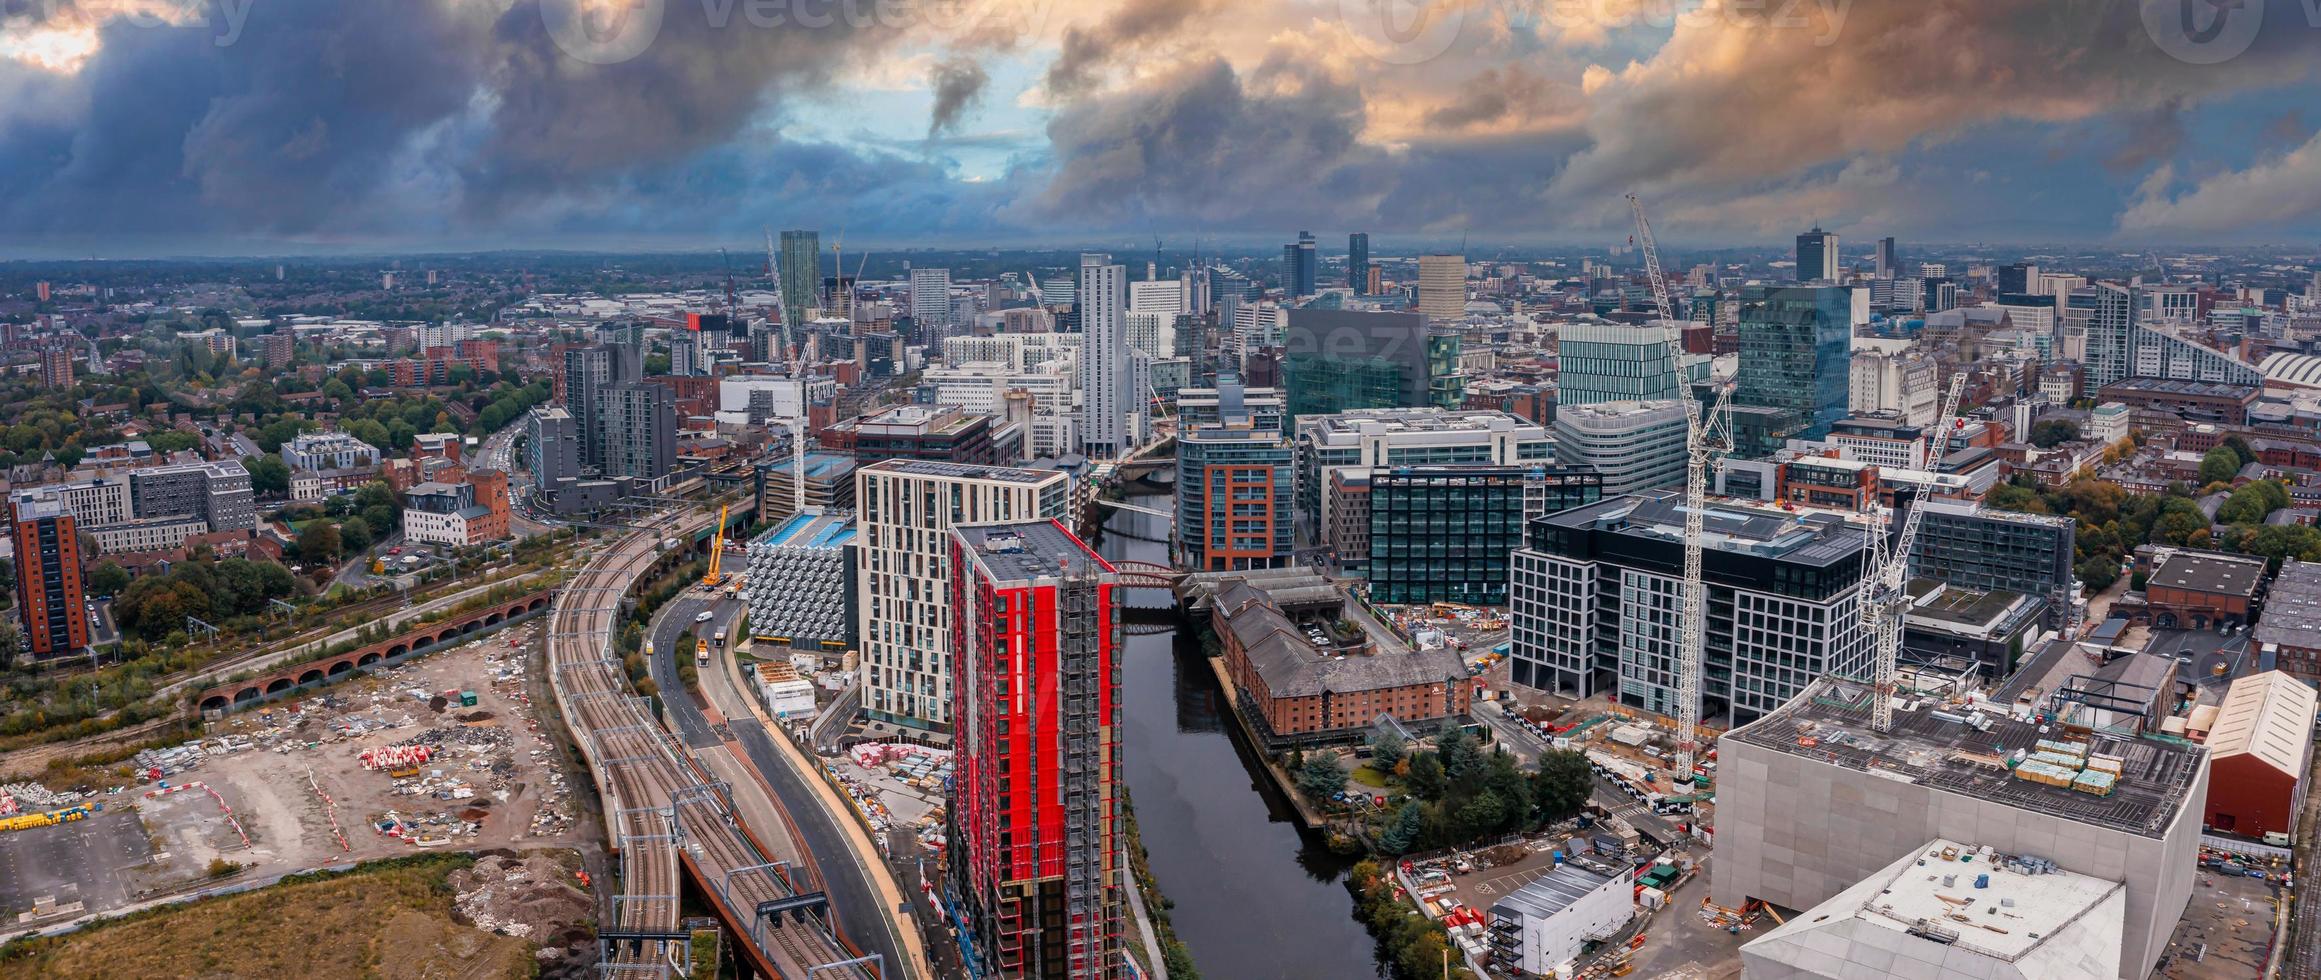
1708,436
1886,570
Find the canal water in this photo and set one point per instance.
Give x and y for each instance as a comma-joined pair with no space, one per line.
1256,896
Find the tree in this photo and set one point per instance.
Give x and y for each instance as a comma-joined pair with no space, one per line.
1401,836
319,542
11,642
1322,776
108,578
268,476
1426,776
2220,465
1387,750
2054,432
2251,504
1462,758
1561,785
355,535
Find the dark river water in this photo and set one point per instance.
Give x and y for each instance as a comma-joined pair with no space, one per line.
1255,896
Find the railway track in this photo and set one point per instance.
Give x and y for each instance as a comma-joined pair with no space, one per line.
664,815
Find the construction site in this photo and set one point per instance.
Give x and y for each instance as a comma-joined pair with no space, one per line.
442,751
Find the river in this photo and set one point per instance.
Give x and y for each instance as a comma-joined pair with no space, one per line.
1255,896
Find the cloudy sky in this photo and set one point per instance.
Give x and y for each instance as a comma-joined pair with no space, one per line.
220,126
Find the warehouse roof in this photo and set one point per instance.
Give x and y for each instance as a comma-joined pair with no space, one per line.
2210,572
1553,892
2293,608
2269,716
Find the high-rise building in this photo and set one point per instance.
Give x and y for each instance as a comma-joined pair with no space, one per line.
56,366
1358,263
2108,313
1299,262
1036,853
1443,533
688,355
800,271
551,446
1442,286
1595,593
1795,345
278,349
1611,362
904,576
588,371
1889,259
1636,446
1113,373
48,577
1407,437
931,301
1350,360
1234,491
2019,278
1902,382
1817,258
639,422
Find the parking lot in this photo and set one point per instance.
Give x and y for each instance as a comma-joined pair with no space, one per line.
2226,932
98,863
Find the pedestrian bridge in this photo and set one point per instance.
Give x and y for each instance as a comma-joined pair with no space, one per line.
1132,508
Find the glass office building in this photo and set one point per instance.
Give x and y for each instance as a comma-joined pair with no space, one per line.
1796,353
1444,533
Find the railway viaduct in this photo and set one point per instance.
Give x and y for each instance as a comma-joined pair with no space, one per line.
239,694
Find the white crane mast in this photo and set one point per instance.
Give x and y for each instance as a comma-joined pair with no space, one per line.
1884,600
1707,436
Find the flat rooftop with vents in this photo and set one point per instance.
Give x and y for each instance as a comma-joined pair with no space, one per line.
1831,723
1953,910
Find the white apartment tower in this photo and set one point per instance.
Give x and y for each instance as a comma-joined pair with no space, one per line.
1113,373
931,298
905,510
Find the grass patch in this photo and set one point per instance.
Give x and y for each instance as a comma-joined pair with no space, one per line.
387,918
1371,777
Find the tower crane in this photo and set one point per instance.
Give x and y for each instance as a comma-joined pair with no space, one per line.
1885,570
1708,436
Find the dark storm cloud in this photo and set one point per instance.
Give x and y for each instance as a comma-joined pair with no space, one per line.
958,85
327,117
1088,51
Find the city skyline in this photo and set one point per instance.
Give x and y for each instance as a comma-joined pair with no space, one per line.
214,128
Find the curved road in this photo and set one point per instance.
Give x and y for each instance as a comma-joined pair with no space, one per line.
856,908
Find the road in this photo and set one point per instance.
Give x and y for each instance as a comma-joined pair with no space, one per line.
668,624
846,876
499,453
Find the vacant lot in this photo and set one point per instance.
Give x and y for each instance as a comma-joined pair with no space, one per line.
391,919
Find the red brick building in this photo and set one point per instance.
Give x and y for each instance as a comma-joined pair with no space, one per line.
2200,589
1298,691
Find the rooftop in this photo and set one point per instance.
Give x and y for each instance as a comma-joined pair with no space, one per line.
2173,386
2293,609
815,529
1554,891
964,471
1294,667
1349,425
2211,572
2269,716
1815,539
819,465
1027,551
1830,722
1949,896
